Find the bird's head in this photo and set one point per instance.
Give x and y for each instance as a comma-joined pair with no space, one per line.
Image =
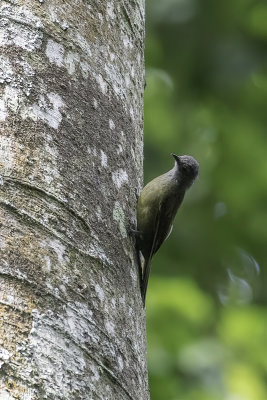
188,168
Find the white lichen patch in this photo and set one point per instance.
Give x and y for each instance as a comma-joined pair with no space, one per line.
127,80
95,250
95,103
19,27
133,274
6,154
119,217
3,110
98,213
132,71
113,303
119,177
54,52
110,328
71,60
4,356
102,83
95,376
11,98
6,70
126,42
50,148
132,113
28,73
120,363
100,292
104,159
59,249
119,149
48,111
5,395
133,154
56,17
83,44
114,76
54,256
85,68
130,312
110,10
122,300
111,124
49,162
46,267
16,81
100,17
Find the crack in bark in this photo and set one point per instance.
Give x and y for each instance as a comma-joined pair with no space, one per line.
21,22
110,373
45,194
34,221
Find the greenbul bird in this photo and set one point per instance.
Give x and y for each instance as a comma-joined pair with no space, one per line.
157,206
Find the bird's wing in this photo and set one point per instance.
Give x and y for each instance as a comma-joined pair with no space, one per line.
161,233
162,227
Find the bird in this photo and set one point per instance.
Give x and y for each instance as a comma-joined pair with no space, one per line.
157,206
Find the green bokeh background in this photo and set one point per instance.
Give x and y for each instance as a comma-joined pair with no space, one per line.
206,95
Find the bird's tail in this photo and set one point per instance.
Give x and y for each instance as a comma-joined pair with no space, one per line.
146,269
147,262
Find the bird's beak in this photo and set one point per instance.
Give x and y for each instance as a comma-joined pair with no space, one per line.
177,158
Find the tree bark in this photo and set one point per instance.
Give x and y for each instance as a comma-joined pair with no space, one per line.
72,325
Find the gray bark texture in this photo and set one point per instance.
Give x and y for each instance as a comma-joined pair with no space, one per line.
72,325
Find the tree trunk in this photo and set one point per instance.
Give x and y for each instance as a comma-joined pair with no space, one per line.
72,324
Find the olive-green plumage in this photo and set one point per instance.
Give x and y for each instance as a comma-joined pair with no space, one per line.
157,206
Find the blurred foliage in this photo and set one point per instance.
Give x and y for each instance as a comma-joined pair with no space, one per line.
206,95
